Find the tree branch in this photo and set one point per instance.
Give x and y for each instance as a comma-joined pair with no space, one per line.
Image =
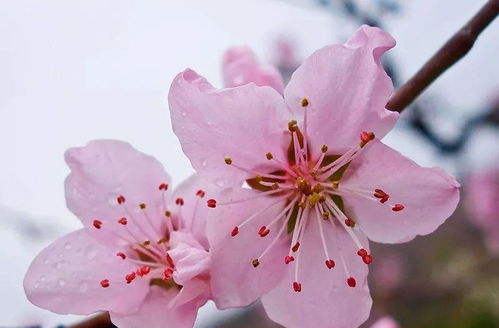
452,51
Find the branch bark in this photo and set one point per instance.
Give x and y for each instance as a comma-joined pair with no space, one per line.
451,52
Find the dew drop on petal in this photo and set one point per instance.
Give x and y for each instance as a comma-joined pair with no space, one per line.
90,252
83,287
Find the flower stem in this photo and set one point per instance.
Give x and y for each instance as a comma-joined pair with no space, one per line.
451,52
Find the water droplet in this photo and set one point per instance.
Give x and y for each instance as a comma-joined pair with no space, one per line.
90,252
204,163
184,113
83,287
67,245
220,183
61,282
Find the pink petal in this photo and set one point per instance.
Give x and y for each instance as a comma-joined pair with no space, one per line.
243,123
65,278
105,169
235,282
196,289
429,195
195,191
155,312
347,90
325,299
190,261
240,67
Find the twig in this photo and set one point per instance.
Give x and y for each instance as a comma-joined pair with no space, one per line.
452,51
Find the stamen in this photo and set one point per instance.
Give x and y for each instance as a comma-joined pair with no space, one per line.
257,195
167,274
255,263
295,247
297,286
105,283
212,203
97,224
163,187
366,137
228,160
235,231
200,193
179,201
398,207
288,259
304,102
130,277
329,262
121,254
120,199
351,282
263,231
123,221
269,156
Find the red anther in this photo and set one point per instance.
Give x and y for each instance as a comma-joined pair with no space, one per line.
97,224
384,199
367,259
104,283
295,247
297,286
211,203
144,270
365,136
378,193
130,277
398,207
330,264
170,260
235,231
351,282
288,259
123,221
263,231
200,193
167,274
121,254
349,222
163,187
179,201
120,199
362,252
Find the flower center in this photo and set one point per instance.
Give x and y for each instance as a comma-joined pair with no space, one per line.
144,243
310,189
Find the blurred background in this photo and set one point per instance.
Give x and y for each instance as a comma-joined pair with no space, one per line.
73,71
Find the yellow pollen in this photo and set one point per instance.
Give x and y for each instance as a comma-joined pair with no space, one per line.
168,214
325,215
304,102
335,184
258,178
269,156
301,204
314,198
317,188
142,206
162,240
324,148
228,160
146,243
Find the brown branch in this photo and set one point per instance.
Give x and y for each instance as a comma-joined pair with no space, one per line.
451,52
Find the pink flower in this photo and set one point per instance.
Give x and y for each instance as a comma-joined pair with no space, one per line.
482,202
240,67
141,254
385,322
318,182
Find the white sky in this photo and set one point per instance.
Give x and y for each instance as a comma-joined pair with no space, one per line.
73,71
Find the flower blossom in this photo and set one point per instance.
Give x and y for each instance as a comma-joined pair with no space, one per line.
307,182
482,202
141,254
386,322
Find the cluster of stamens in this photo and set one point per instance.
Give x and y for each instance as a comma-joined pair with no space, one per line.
150,255
310,189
